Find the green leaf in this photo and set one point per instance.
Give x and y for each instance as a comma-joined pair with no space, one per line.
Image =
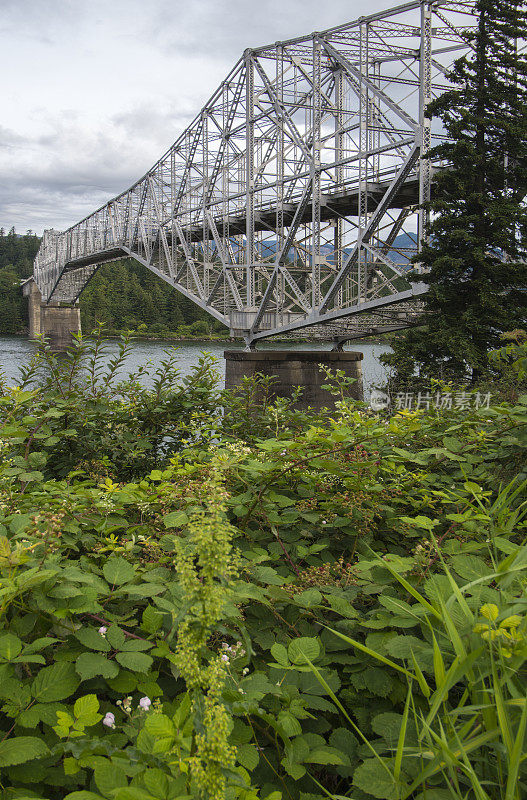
342,739
39,644
303,646
136,645
439,664
83,795
342,606
133,793
118,571
94,665
109,777
124,683
157,783
91,638
324,755
374,780
289,724
281,499
420,522
469,567
248,756
402,737
19,523
403,646
10,646
176,519
378,681
152,620
86,709
137,662
159,725
55,683
21,749
115,636
279,653
309,598
296,771
408,586
144,589
267,575
371,653
70,765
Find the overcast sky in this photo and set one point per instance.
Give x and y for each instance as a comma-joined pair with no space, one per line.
94,91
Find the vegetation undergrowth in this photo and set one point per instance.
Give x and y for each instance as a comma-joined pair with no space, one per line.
213,595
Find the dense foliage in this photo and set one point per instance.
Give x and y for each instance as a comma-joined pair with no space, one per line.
16,263
476,251
259,603
123,295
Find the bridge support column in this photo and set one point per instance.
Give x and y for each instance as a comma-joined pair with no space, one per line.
295,368
56,323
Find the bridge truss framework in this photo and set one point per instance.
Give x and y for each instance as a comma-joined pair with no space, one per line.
293,197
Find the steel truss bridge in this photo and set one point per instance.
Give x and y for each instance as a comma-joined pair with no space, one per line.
293,198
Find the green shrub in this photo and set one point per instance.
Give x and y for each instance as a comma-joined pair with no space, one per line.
245,605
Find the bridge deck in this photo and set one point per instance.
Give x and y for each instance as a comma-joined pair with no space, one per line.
335,205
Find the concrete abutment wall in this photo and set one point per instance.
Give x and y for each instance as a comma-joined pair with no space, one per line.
56,323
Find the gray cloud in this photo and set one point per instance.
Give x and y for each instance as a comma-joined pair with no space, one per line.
54,179
228,27
98,91
39,21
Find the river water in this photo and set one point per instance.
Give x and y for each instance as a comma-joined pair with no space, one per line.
15,351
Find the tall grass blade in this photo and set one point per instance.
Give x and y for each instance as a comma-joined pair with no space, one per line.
371,653
339,705
457,669
439,664
402,737
515,758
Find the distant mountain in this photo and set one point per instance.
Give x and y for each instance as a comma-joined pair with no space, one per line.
402,243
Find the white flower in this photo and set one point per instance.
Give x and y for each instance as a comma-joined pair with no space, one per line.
109,720
225,658
145,703
102,630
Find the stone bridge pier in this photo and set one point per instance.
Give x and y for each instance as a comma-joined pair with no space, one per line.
57,323
290,369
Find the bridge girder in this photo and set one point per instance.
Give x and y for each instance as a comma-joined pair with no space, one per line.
294,197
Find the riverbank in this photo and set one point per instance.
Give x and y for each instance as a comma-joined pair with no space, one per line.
112,334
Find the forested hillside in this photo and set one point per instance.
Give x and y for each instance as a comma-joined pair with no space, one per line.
16,262
123,295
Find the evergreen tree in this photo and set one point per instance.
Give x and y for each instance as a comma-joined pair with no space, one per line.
476,250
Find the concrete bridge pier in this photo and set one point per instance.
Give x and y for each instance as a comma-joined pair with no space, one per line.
56,323
292,368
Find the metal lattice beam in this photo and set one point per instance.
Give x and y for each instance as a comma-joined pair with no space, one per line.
293,198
